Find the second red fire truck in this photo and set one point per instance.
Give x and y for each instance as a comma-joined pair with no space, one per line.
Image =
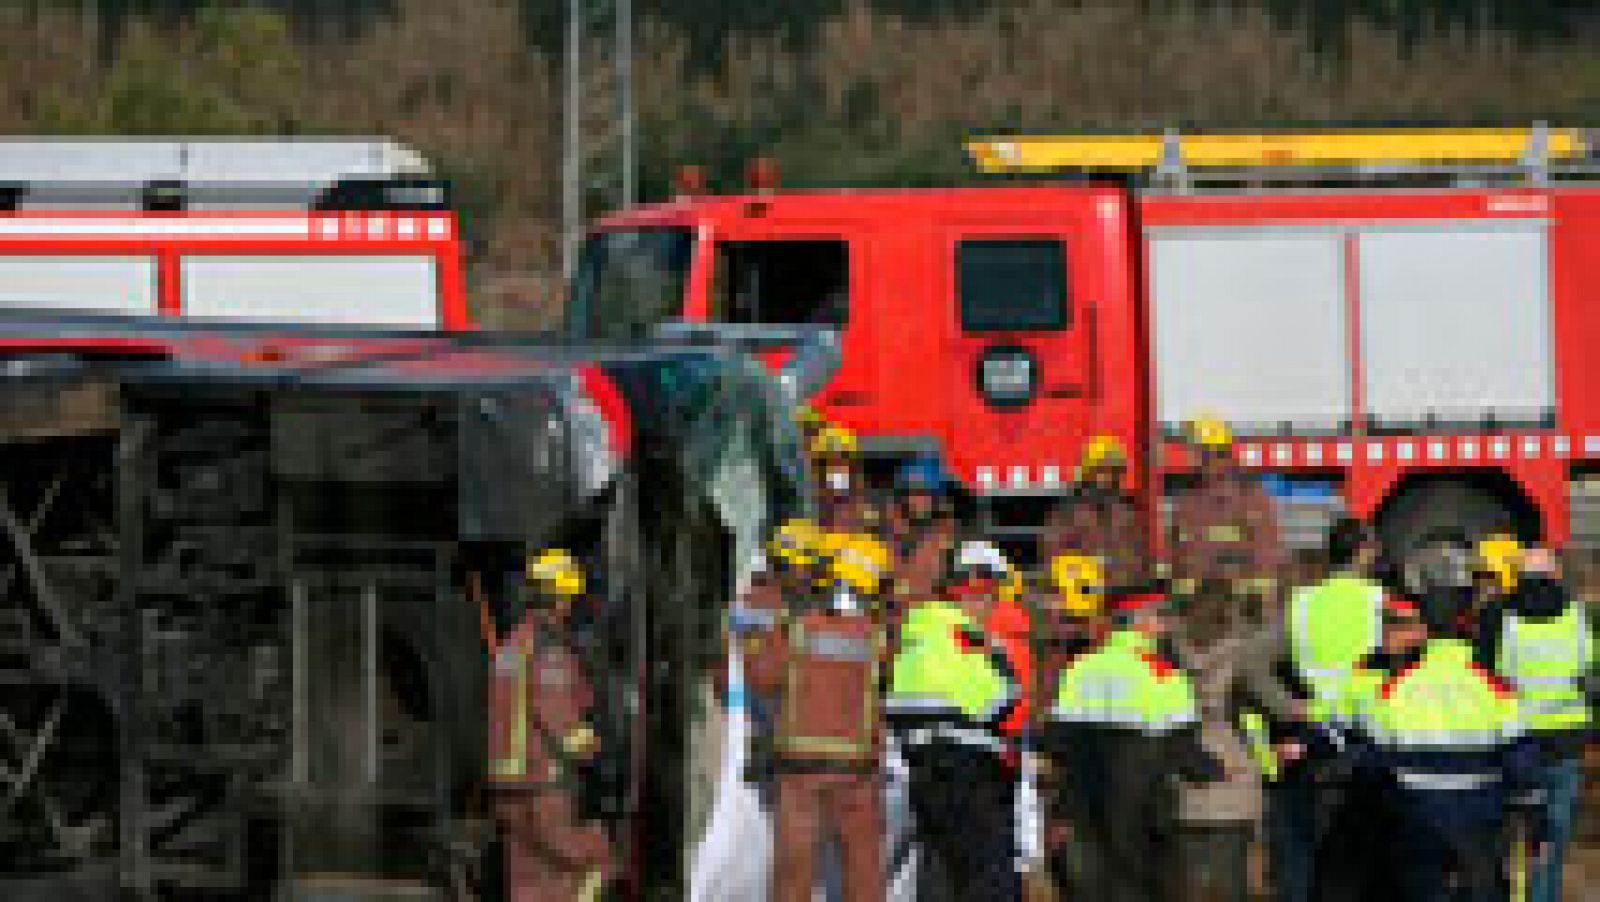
1396,323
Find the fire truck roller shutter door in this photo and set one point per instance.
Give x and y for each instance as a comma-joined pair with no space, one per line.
347,289
1250,326
1455,323
89,283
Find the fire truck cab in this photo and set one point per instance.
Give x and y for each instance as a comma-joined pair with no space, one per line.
350,233
1394,322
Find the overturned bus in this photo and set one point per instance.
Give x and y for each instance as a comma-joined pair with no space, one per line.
252,574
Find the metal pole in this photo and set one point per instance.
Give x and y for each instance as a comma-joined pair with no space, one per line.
625,99
572,167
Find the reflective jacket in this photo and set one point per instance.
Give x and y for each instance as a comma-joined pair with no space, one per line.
1331,627
1449,736
1541,640
950,681
1125,685
539,701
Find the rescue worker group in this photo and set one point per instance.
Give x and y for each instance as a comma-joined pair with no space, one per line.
1102,726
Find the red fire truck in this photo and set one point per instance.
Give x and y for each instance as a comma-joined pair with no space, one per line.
337,232
1394,322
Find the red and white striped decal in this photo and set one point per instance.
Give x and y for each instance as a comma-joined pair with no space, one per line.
382,226
1410,450
1326,454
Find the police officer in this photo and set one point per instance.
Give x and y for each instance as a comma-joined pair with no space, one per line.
1541,642
1123,726
953,688
541,732
1450,737
845,506
1328,629
1068,622
1225,541
828,732
1099,519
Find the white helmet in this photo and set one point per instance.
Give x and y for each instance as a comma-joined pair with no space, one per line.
979,555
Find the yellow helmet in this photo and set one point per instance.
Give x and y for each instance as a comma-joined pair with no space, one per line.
859,561
1103,451
1209,432
834,441
795,542
556,572
1080,583
1500,556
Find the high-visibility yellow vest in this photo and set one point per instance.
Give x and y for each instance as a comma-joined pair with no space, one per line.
1444,703
934,676
1332,626
1258,739
1546,660
1123,685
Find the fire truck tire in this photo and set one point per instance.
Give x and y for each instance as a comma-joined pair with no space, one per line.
1431,523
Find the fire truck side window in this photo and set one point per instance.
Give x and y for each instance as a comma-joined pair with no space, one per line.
783,282
1012,284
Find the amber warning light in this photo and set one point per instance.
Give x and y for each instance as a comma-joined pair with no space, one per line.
761,175
689,181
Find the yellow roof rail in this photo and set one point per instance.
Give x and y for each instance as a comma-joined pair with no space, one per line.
1406,147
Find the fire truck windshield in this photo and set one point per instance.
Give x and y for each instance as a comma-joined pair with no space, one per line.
628,282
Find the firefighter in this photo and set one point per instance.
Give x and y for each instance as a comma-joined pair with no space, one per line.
1225,541
1541,642
1496,561
953,686
824,677
783,580
541,734
1449,737
810,421
1123,726
921,528
844,505
1099,518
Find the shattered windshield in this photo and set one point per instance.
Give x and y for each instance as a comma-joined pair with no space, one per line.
628,282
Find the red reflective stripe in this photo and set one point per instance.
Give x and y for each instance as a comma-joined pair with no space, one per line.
966,640
1158,665
1395,678
613,406
1501,688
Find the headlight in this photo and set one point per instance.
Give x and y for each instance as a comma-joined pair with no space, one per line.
1007,376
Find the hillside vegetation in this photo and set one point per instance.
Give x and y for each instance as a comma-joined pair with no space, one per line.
840,92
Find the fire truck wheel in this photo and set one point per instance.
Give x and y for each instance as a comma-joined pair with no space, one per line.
1428,531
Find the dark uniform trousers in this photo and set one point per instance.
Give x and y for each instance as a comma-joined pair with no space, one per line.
963,799
1426,857
1121,801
